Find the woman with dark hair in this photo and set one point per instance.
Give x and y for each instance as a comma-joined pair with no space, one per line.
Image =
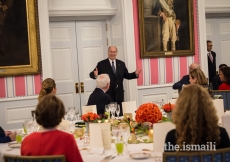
50,141
225,78
48,86
196,122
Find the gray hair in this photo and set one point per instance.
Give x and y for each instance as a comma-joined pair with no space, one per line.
102,80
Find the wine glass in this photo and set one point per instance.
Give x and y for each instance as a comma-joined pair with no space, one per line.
118,110
112,107
107,110
116,132
77,113
125,131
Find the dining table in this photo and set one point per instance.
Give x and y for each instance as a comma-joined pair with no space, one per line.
90,155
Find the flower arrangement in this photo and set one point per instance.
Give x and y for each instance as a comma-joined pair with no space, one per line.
90,117
148,112
168,107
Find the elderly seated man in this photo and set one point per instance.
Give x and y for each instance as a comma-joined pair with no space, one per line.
99,97
185,80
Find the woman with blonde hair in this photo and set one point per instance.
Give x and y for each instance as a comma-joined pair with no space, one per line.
197,76
48,86
196,122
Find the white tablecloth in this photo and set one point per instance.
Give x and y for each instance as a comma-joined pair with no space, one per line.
88,157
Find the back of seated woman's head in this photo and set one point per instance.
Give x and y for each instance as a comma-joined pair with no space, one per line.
195,117
226,72
50,111
48,86
199,75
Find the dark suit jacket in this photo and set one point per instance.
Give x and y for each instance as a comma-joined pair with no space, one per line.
216,82
184,80
100,99
116,89
4,138
211,67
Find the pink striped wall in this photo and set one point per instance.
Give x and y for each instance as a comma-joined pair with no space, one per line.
19,86
155,72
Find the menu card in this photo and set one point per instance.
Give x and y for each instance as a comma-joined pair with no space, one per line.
129,107
91,108
100,135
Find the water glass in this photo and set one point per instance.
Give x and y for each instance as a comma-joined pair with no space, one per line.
19,136
119,147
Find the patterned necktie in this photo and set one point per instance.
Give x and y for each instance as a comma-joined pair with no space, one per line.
113,67
210,56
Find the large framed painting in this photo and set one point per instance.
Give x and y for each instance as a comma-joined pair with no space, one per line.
166,28
19,38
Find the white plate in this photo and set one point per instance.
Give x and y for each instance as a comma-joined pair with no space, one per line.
15,145
141,155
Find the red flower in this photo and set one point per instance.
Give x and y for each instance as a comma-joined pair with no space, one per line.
148,112
89,117
168,107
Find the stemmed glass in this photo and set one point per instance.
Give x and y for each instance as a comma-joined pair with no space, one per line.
77,113
107,110
118,110
125,132
112,107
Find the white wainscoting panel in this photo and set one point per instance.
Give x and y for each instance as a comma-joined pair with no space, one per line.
60,33
225,48
15,110
225,27
209,28
24,111
91,55
67,99
154,93
91,32
116,30
62,57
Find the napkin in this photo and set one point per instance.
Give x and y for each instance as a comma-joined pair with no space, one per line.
97,150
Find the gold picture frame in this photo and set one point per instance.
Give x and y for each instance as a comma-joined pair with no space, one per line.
154,40
24,55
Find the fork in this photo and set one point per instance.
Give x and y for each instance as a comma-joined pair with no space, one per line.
106,159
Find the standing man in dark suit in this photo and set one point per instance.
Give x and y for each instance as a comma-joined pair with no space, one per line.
211,61
99,96
117,71
185,80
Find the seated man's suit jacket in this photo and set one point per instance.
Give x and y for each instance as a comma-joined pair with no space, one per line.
100,99
184,80
4,138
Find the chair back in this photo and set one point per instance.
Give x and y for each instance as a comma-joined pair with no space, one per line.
160,131
226,97
219,105
17,158
212,155
129,107
225,123
90,108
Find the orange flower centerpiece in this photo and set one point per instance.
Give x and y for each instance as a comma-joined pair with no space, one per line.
89,117
168,109
148,112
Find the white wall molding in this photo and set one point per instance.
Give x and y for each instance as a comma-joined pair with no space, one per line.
45,39
88,12
214,6
129,46
202,36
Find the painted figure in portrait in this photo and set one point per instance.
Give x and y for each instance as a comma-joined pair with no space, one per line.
166,26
